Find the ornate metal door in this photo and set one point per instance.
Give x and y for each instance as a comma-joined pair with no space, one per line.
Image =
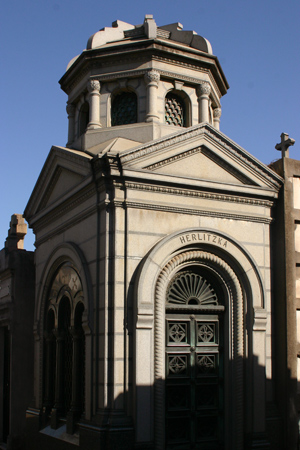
194,382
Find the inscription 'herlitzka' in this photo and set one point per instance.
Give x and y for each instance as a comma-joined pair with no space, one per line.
203,237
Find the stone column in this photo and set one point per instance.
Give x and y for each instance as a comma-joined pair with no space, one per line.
71,117
152,78
94,102
203,98
49,379
76,402
59,385
217,114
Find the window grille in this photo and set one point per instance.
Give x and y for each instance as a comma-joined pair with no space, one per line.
124,109
175,111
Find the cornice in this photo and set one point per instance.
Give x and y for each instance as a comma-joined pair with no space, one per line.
199,212
172,159
65,225
92,63
189,79
44,218
199,194
49,168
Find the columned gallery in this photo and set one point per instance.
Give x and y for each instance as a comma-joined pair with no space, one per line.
166,262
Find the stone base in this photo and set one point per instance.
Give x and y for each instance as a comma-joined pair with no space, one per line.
258,442
106,438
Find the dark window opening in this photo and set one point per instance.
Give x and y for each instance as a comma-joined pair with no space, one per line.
64,352
83,118
124,109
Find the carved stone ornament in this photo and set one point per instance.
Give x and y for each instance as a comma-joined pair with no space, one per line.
70,110
152,76
93,85
204,88
217,113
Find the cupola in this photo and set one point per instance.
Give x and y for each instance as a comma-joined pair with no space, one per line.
139,83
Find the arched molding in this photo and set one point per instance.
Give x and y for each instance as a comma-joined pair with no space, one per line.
71,253
66,253
246,301
234,304
220,244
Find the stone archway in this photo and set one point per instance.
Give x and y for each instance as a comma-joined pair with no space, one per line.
240,280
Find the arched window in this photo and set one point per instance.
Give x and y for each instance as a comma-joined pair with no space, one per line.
124,109
83,118
64,353
194,361
175,110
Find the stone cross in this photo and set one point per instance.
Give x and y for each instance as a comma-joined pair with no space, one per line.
284,145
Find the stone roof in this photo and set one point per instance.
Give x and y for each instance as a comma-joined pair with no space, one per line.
123,31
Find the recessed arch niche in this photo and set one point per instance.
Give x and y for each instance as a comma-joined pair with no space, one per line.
240,285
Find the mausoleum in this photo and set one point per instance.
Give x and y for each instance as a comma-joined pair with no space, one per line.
166,269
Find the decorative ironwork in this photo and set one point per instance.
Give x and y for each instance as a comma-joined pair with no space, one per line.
177,364
124,109
174,110
206,363
178,430
66,277
206,396
206,427
177,333
206,332
190,288
178,398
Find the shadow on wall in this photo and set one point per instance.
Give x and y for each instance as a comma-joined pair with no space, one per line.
193,412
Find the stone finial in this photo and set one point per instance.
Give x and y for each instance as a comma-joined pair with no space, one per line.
16,232
150,27
284,145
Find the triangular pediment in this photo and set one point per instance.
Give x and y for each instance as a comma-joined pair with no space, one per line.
63,173
63,181
199,163
203,153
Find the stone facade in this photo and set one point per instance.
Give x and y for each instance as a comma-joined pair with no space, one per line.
160,249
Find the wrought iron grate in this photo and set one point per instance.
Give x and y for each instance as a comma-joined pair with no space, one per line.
124,109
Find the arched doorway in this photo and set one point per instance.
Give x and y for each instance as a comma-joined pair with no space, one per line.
194,363
235,279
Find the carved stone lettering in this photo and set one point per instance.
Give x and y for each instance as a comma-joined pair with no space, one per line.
203,237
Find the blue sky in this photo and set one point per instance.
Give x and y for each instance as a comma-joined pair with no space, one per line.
257,43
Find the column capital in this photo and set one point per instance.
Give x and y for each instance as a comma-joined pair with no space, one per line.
217,113
93,85
152,76
204,89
